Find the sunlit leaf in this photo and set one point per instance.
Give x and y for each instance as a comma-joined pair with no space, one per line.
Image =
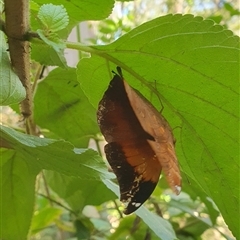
53,17
55,155
12,90
192,65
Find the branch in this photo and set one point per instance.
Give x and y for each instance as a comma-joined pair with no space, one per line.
16,28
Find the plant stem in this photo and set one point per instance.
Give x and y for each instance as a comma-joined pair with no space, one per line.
17,26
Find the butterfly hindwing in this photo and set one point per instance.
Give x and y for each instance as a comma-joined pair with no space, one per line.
136,178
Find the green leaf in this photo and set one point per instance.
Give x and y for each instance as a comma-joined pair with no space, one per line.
132,228
52,40
47,55
125,0
216,18
78,192
194,191
12,90
160,227
101,225
194,227
84,10
17,187
82,232
66,105
34,6
55,155
54,18
192,65
44,218
233,11
186,206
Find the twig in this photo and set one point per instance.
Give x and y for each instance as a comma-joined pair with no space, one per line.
46,187
116,207
148,235
58,203
157,208
135,226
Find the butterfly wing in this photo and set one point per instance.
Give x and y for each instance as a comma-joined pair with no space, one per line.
137,175
155,125
128,150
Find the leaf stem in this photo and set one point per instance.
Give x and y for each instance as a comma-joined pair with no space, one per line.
81,47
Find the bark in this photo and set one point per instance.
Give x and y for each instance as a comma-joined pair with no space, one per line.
16,28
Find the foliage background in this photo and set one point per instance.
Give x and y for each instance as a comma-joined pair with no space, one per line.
56,187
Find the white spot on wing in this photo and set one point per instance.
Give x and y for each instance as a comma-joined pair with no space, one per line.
136,204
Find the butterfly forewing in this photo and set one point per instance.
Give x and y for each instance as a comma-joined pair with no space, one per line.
156,125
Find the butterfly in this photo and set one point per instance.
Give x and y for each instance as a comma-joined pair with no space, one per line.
140,143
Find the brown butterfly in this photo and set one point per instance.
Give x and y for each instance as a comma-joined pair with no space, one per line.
140,143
